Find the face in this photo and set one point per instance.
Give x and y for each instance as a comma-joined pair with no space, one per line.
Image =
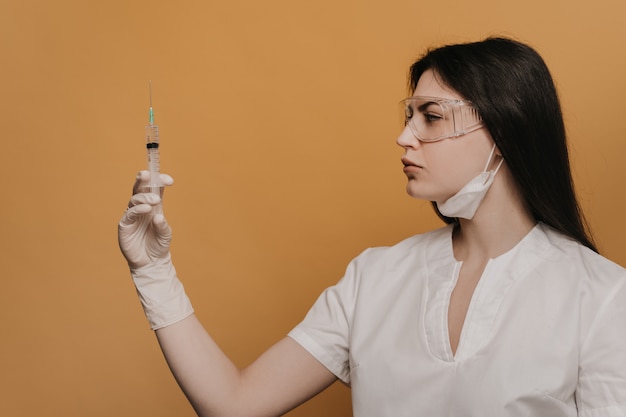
438,170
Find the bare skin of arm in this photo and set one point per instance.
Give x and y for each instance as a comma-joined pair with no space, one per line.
283,377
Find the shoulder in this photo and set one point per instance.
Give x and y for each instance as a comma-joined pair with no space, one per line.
409,248
576,271
568,253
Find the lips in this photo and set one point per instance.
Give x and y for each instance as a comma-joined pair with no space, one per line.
408,164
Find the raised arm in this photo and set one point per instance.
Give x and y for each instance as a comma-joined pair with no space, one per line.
282,378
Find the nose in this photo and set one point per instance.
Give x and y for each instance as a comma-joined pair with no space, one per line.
407,139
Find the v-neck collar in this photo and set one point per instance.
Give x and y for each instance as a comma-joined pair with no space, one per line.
499,275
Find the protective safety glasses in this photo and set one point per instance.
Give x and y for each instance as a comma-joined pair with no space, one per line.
431,118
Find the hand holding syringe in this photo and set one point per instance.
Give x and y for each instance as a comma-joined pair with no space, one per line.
144,237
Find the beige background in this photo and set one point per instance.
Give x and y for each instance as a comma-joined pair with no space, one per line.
278,120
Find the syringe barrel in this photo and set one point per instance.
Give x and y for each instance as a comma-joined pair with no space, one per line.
152,147
154,163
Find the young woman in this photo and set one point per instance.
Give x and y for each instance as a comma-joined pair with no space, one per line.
506,311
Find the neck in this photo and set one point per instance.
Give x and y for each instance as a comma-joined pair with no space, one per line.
501,221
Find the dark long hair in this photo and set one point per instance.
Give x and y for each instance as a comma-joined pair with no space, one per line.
513,91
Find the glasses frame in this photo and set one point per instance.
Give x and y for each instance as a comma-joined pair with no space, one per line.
458,113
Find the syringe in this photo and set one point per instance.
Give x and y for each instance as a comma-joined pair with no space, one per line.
152,147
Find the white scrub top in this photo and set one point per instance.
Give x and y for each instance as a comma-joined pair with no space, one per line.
544,336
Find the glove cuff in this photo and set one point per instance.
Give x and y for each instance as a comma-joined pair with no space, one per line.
161,293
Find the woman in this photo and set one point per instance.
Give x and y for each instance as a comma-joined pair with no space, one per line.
506,311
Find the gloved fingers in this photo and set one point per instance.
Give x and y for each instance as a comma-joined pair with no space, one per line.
160,224
149,199
134,213
162,230
166,180
143,179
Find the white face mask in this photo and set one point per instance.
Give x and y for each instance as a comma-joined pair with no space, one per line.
465,203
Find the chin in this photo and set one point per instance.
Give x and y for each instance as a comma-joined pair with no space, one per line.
418,192
415,193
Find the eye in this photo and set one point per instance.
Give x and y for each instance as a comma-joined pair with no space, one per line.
408,114
432,117
432,113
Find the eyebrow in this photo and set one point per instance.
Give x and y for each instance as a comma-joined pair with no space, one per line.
425,105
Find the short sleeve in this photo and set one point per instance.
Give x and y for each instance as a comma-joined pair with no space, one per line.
325,331
601,390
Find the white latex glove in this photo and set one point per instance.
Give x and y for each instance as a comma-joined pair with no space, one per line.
144,237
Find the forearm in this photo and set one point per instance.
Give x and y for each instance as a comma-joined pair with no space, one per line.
206,375
280,379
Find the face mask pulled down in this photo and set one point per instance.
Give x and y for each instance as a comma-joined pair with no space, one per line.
465,203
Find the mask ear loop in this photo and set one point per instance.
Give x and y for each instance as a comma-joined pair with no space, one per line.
495,171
